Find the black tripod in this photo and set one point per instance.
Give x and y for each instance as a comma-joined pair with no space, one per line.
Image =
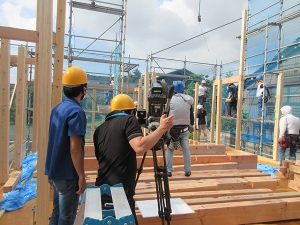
161,183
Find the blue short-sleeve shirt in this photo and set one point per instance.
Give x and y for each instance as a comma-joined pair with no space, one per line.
67,119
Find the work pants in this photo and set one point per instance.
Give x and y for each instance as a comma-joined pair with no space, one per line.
184,142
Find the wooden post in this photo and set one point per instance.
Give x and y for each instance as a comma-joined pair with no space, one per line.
59,52
241,81
35,87
146,91
153,77
20,107
140,92
219,112
213,113
44,105
195,109
279,93
93,112
4,107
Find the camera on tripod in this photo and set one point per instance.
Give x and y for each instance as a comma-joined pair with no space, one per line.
157,99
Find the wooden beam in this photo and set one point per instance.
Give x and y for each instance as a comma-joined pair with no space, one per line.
195,109
278,104
241,82
14,60
18,34
20,106
219,112
140,92
59,52
213,113
4,109
12,181
228,80
145,100
44,105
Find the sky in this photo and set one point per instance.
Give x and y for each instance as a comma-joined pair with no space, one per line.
151,26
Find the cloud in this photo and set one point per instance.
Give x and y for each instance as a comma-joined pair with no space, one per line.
151,26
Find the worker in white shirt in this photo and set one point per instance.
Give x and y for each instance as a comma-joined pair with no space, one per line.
202,93
288,125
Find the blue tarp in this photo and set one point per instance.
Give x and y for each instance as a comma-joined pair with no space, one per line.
26,188
267,169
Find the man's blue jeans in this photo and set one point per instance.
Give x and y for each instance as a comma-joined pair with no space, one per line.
184,142
282,154
65,202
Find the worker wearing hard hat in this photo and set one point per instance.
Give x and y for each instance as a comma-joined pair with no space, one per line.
202,93
118,140
263,94
65,154
181,107
201,122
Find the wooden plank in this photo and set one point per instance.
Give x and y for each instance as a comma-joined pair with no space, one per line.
2,213
212,184
203,194
12,181
14,60
59,53
93,207
80,215
228,80
43,101
18,34
213,112
4,108
196,167
219,112
295,169
279,94
238,198
121,205
294,185
196,98
234,213
20,106
241,80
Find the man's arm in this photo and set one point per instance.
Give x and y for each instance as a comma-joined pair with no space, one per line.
142,144
78,161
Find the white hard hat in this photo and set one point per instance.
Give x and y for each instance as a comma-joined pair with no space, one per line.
199,106
203,82
135,103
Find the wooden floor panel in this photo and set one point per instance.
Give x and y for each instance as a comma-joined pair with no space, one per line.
206,191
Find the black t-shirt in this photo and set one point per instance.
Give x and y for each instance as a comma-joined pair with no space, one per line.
201,117
117,159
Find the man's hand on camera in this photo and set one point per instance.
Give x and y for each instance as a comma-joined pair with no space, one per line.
166,123
191,128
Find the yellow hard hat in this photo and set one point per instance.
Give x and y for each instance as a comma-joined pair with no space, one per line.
74,76
121,102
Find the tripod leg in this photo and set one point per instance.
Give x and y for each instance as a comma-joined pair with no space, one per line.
162,188
140,170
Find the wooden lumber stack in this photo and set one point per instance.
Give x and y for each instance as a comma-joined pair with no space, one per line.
224,188
285,169
295,170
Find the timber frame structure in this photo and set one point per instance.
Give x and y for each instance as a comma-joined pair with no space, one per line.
44,89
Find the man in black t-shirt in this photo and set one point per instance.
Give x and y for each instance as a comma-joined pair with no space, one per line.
118,140
201,122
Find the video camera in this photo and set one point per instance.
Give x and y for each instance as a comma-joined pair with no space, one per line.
157,99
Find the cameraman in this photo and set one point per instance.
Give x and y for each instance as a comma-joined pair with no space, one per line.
181,108
118,140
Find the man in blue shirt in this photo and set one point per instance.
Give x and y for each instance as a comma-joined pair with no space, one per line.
65,153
